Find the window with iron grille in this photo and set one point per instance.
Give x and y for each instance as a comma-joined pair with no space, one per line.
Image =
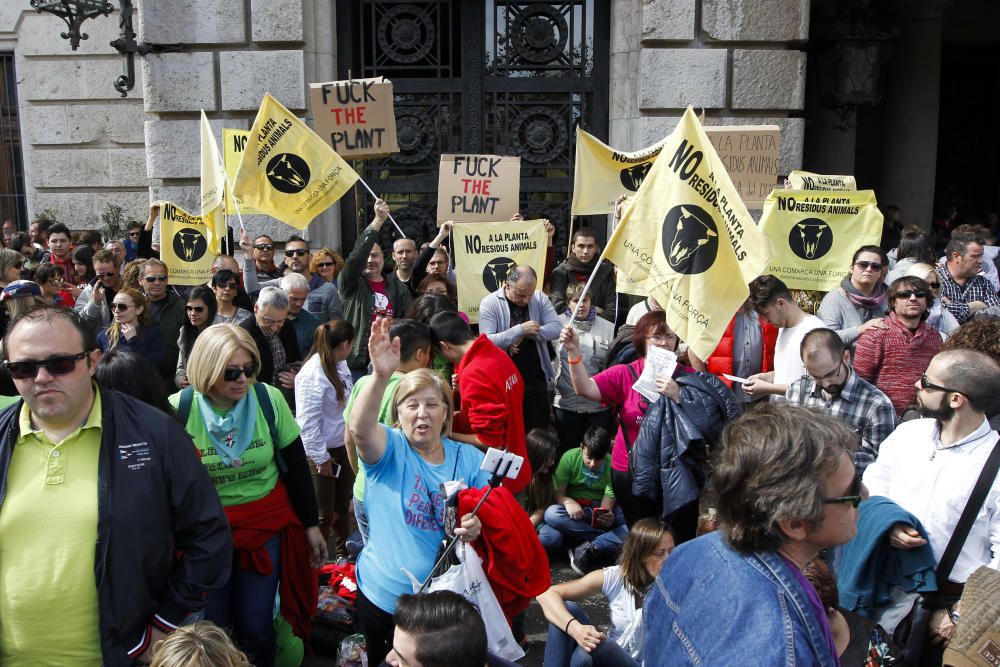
13,203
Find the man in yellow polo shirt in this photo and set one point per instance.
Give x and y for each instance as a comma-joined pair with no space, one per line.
111,533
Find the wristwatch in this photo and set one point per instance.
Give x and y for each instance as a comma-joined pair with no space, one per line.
953,615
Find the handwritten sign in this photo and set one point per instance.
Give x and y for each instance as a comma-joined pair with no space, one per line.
478,188
356,117
750,155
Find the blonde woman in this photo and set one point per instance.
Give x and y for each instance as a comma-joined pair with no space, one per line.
938,316
250,445
130,329
326,264
201,644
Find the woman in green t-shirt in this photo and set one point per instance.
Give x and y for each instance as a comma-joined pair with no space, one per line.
250,445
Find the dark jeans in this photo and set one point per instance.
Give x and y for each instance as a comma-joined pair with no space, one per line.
633,507
572,426
246,604
561,650
333,496
377,626
537,404
607,543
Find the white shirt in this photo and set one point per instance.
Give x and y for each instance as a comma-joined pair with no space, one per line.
636,312
319,415
788,366
933,482
626,619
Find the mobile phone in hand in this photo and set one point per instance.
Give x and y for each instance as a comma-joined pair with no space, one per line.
596,514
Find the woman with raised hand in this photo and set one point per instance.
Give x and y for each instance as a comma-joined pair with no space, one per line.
405,468
130,327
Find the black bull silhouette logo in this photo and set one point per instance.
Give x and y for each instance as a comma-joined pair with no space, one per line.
288,173
690,239
633,176
811,238
189,244
495,272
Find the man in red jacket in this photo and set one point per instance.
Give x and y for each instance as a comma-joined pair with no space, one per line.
490,390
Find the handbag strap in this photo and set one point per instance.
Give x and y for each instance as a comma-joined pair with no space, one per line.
972,507
621,417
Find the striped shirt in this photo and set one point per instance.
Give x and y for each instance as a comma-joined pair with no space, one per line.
956,298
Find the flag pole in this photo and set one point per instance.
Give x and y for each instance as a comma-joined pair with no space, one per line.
586,287
372,193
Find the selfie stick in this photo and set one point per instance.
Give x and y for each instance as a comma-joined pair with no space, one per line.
503,464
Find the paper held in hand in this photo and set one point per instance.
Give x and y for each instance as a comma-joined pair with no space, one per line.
659,363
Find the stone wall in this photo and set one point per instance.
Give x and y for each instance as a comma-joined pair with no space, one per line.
739,60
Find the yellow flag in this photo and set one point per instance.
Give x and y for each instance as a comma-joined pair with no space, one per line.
602,173
213,187
806,180
689,240
287,170
486,251
815,234
234,142
184,246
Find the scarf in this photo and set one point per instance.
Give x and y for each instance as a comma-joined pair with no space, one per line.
581,267
232,432
589,317
875,301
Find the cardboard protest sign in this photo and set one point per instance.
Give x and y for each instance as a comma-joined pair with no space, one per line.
804,180
815,234
478,188
486,251
213,188
287,171
689,240
234,142
184,246
356,117
602,174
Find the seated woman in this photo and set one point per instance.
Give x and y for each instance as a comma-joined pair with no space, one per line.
859,303
572,640
405,467
543,450
130,327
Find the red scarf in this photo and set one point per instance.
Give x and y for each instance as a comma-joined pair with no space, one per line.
253,524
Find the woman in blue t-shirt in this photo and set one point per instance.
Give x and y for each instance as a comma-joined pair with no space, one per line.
405,467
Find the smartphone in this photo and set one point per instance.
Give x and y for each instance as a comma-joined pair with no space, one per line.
597,513
336,470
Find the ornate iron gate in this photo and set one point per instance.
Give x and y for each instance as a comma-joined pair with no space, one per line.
511,78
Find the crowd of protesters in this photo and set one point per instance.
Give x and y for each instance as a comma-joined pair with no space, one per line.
176,460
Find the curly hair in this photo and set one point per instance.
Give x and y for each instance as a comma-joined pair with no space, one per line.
317,257
978,334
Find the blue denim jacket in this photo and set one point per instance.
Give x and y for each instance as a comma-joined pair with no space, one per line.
713,606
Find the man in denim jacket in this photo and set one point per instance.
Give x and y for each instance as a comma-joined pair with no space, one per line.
787,490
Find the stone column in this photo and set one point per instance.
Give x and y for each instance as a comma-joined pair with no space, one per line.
909,148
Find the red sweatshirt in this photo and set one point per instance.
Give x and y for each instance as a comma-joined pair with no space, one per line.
492,400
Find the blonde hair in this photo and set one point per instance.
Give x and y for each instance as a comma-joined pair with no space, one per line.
114,331
17,305
130,276
201,644
417,380
211,353
317,257
920,270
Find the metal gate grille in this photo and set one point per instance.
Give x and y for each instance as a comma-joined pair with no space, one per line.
13,203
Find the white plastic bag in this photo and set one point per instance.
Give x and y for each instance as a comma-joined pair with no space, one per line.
468,580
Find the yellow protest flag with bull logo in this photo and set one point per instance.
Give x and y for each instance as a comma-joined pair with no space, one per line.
689,240
213,188
287,170
184,246
486,251
601,174
816,233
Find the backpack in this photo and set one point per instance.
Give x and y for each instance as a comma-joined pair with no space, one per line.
621,350
266,407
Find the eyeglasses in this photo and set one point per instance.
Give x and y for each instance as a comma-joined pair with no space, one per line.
28,370
906,294
264,246
829,376
296,253
324,265
874,266
233,374
925,383
156,279
109,274
855,494
194,309
119,307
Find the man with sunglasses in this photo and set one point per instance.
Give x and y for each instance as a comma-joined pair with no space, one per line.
99,491
929,466
831,385
964,291
92,304
166,310
263,258
131,241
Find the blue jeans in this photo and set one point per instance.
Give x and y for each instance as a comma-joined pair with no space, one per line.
550,538
607,543
246,604
361,515
561,650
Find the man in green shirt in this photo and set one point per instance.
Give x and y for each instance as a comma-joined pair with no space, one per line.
585,512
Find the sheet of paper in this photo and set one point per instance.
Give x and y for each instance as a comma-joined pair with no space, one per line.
659,362
734,378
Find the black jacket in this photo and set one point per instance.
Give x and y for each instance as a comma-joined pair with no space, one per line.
155,500
602,290
288,339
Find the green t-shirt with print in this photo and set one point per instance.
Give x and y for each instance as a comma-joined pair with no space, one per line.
383,417
580,483
258,474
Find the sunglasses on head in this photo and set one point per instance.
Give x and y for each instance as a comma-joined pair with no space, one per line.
906,294
264,246
28,370
156,279
864,264
233,374
122,307
854,497
296,253
194,309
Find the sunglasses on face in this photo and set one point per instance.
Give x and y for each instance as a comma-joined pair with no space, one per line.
233,374
906,294
296,253
194,309
863,265
119,307
934,285
227,286
133,235
264,246
28,370
324,265
156,279
109,274
855,494
925,383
